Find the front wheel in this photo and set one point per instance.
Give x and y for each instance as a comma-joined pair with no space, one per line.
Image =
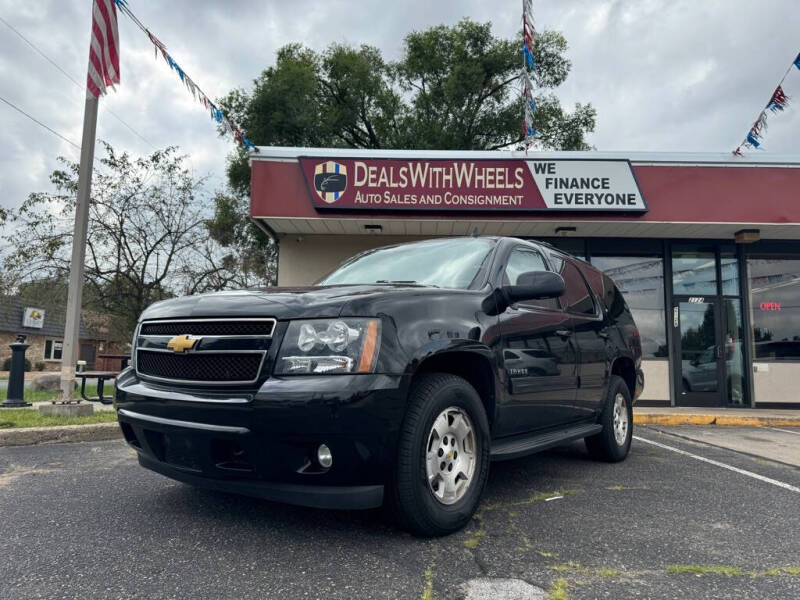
443,456
613,443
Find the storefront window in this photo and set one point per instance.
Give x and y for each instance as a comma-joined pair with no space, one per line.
694,273
573,246
641,280
730,275
775,317
775,302
732,350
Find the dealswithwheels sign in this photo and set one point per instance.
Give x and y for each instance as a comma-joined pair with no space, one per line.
472,185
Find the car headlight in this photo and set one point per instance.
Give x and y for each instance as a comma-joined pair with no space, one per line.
327,346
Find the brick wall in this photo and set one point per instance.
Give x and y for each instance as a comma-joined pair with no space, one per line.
35,353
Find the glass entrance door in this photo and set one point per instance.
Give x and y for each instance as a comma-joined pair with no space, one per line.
695,320
709,350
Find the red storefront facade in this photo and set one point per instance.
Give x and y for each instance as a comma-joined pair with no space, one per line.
705,247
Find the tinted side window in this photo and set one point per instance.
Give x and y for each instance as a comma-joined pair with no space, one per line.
614,301
578,298
523,260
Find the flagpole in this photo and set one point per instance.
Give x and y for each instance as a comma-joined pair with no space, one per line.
69,353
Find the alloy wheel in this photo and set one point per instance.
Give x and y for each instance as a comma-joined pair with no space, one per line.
450,455
621,422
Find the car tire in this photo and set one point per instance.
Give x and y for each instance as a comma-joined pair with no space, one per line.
613,443
426,497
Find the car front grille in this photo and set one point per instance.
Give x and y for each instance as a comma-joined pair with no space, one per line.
200,367
257,327
223,352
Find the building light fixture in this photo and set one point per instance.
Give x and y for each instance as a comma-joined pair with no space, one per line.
747,236
564,231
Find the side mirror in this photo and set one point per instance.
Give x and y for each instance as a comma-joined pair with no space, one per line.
535,285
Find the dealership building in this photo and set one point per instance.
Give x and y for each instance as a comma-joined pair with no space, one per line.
705,247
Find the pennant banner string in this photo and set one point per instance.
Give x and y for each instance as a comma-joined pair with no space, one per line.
528,67
777,103
197,93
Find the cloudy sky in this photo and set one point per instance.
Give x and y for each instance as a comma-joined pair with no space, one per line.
664,75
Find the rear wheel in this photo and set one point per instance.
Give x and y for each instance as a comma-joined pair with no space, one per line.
613,443
443,456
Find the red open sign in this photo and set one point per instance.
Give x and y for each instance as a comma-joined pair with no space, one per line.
770,306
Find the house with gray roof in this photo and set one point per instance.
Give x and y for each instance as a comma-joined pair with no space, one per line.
42,324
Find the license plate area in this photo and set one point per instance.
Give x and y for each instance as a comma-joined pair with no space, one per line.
181,451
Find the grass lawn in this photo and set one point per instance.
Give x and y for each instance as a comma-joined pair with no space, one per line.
48,396
26,417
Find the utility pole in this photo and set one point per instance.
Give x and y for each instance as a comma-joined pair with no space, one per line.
69,355
103,71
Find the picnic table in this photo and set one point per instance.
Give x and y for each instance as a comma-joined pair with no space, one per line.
101,377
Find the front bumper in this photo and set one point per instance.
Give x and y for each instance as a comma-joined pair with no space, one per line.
263,443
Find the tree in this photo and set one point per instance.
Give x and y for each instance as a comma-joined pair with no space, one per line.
148,236
252,253
454,88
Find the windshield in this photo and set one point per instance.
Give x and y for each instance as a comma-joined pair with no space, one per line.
450,263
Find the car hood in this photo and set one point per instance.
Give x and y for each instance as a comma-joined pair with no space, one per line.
281,303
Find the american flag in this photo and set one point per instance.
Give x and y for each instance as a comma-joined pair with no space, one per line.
104,49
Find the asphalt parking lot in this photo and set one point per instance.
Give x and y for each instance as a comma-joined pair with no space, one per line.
85,521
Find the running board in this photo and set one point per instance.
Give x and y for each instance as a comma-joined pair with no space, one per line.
506,449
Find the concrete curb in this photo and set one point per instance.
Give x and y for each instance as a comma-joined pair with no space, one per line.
714,419
25,436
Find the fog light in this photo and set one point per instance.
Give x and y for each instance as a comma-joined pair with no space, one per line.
324,456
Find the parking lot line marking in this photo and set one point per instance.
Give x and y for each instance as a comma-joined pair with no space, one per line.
785,430
716,463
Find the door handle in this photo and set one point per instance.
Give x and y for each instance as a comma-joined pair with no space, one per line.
603,335
564,333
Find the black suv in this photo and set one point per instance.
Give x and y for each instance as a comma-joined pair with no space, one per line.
396,379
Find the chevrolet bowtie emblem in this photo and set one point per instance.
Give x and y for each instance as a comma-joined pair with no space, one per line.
182,343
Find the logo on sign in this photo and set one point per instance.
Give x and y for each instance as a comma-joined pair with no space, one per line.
330,181
33,317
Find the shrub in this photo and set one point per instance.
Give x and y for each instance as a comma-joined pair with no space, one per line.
7,364
40,365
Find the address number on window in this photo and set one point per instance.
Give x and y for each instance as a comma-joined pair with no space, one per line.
697,299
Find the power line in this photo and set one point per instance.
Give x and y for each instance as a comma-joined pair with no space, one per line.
38,122
71,78
189,83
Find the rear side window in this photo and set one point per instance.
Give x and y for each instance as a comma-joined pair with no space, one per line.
613,299
578,298
523,260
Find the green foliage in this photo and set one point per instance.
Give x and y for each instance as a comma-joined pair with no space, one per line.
455,87
35,396
24,417
149,238
559,589
250,250
7,365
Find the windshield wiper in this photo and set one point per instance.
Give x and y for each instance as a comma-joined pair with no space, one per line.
405,282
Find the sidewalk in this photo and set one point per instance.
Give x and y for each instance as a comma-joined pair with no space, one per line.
740,417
